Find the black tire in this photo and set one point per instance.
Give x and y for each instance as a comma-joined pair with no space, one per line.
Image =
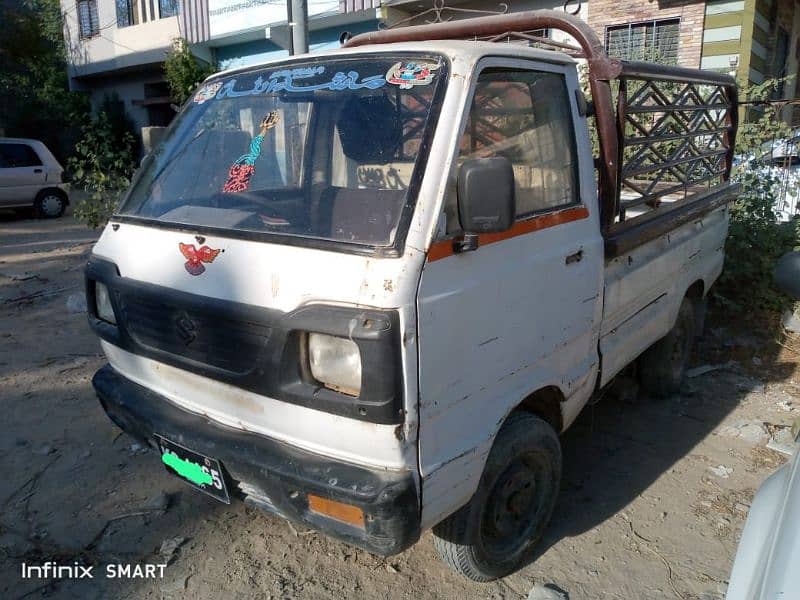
495,533
50,204
662,367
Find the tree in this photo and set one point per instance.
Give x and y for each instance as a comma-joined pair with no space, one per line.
102,166
756,238
184,71
35,100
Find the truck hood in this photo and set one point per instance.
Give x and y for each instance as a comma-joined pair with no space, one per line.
275,276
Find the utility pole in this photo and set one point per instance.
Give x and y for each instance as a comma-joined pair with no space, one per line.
298,22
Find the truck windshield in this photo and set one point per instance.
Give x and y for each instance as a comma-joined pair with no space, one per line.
324,149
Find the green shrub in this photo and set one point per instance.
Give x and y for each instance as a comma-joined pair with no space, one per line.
184,71
102,167
756,238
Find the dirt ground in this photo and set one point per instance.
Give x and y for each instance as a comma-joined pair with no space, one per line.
654,494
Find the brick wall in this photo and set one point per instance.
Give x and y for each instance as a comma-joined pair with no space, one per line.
692,13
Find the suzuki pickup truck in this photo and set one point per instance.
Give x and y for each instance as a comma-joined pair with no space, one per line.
366,290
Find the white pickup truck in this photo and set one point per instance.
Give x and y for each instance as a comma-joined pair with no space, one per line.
367,290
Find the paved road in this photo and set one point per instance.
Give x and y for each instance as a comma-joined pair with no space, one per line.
26,236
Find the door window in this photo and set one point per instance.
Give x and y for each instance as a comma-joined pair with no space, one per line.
18,155
525,117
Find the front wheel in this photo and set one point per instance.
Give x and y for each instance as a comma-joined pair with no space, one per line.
495,533
50,204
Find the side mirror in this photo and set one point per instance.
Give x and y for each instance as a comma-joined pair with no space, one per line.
787,274
486,202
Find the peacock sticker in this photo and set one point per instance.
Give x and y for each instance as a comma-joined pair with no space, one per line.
243,168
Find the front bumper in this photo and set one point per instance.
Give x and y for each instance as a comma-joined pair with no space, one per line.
272,475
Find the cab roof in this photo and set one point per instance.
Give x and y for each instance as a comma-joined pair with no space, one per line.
464,50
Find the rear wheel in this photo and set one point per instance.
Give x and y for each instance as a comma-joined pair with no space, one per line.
496,532
50,204
663,365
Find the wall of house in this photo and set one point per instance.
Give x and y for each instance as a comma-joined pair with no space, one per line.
793,64
129,88
691,13
116,47
762,41
258,51
727,27
124,61
401,11
781,18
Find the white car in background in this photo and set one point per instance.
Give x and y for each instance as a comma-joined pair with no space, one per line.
779,160
31,177
766,564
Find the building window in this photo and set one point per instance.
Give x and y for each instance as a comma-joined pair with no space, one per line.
127,13
654,41
167,8
88,22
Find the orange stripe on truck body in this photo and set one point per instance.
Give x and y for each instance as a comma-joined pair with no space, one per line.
444,248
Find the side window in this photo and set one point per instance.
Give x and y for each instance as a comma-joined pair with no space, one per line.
19,155
4,164
525,117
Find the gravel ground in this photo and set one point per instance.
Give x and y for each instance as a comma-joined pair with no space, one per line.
654,494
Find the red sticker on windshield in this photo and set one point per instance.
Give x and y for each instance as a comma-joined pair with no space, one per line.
207,92
410,74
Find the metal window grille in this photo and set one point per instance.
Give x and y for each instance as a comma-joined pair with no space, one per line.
652,41
540,33
167,8
88,23
125,16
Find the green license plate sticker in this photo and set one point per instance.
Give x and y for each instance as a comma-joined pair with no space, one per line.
186,469
202,472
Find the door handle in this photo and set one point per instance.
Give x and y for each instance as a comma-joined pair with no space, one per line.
573,258
37,170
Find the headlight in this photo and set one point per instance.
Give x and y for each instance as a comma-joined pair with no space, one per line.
335,362
103,302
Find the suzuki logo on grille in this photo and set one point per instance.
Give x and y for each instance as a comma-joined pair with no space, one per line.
187,328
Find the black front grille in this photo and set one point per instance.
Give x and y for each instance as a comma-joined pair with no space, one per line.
195,334
254,348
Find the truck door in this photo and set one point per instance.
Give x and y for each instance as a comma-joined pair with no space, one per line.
521,312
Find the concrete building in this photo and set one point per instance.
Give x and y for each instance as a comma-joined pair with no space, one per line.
759,36
118,46
756,39
244,32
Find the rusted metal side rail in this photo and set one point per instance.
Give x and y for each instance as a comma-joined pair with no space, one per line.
673,129
676,129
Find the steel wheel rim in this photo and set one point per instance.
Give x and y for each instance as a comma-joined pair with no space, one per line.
51,205
514,507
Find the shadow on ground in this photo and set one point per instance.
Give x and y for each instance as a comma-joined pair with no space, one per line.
619,446
78,490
